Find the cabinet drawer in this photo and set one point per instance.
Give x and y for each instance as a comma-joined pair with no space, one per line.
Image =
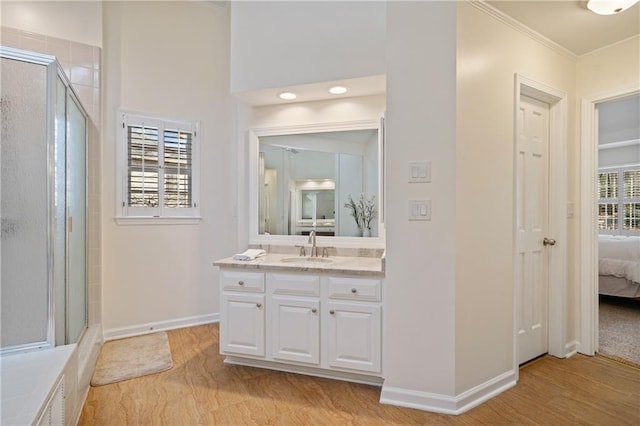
293,285
362,289
242,281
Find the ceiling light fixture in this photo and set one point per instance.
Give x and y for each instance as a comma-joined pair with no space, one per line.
338,90
609,7
287,96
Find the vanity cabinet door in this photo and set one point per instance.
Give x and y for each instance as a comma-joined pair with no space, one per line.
295,329
242,326
354,336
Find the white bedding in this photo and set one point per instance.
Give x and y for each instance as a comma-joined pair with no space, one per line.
619,256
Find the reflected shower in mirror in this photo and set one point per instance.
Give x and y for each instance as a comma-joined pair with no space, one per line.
305,180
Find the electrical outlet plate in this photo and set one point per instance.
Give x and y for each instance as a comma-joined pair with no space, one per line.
419,209
419,171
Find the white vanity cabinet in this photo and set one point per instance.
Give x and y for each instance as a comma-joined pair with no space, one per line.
303,322
354,337
293,322
242,310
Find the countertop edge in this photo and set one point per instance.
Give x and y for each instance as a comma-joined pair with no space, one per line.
265,264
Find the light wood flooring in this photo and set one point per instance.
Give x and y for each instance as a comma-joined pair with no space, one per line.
201,390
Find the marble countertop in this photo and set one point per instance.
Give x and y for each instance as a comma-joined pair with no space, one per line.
355,265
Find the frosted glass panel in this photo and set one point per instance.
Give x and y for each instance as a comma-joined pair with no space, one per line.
23,210
60,218
76,194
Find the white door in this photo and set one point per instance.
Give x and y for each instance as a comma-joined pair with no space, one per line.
242,324
532,199
295,328
354,339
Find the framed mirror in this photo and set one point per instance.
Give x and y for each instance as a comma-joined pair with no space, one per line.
325,178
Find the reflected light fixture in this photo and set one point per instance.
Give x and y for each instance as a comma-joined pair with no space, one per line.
609,7
338,90
287,96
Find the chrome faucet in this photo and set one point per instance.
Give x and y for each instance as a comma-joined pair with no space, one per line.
312,241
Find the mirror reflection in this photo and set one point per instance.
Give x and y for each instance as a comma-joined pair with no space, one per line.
326,182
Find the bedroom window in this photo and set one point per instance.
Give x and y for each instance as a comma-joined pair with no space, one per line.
158,161
619,200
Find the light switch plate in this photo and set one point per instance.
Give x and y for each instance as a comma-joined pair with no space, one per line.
419,209
419,171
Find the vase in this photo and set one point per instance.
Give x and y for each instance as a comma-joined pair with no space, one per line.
366,232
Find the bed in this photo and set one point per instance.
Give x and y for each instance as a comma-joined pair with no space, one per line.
619,265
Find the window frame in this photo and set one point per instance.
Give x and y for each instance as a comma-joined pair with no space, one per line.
134,215
618,201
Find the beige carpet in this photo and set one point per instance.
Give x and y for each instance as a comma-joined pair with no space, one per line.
619,332
132,357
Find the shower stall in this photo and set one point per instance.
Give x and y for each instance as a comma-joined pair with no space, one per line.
43,211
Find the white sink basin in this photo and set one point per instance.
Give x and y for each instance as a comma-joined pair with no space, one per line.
306,260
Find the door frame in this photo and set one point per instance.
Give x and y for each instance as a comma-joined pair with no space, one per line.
588,343
557,294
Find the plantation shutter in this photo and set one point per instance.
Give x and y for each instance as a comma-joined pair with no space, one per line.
619,200
608,201
631,200
178,156
159,162
143,166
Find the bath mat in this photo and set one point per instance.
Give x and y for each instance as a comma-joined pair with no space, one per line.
133,357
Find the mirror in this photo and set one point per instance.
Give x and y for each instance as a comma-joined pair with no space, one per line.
318,179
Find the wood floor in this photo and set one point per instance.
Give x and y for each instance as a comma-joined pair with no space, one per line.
200,390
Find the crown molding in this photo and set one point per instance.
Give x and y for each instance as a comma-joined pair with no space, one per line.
599,49
520,27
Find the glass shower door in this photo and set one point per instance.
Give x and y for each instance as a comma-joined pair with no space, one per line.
76,221
43,199
24,210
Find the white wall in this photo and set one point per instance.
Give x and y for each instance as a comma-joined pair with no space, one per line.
79,21
419,346
331,41
622,156
155,273
489,54
613,68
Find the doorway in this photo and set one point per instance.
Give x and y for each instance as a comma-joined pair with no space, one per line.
589,341
540,242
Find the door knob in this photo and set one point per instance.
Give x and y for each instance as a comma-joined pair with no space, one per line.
548,242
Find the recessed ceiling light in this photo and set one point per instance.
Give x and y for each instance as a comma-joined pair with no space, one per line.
338,90
287,96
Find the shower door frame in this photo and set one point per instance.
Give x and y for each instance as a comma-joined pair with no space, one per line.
71,96
53,72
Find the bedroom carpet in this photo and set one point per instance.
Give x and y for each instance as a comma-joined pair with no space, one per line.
619,330
126,359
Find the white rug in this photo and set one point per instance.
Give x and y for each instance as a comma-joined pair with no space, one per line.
133,357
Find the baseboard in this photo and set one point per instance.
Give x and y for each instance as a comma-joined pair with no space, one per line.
309,371
571,348
446,404
152,327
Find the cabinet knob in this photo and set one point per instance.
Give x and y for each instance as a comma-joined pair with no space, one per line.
354,291
332,312
258,305
240,282
314,310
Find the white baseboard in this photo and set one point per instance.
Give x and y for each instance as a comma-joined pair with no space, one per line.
571,348
152,327
309,371
446,404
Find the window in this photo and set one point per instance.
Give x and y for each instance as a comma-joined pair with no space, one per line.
158,167
619,200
